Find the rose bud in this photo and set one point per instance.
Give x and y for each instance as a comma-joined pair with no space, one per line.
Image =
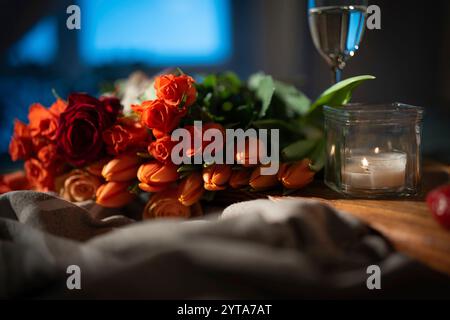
125,135
262,182
165,204
43,122
191,189
249,156
155,176
48,156
122,168
79,186
296,175
216,177
20,149
239,179
58,107
159,117
174,90
114,194
161,149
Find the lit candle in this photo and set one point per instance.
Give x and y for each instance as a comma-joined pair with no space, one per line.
380,170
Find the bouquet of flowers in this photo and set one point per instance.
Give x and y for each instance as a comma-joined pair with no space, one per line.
180,141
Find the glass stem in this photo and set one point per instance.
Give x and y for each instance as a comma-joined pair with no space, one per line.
336,74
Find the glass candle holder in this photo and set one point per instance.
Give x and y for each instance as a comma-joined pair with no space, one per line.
374,151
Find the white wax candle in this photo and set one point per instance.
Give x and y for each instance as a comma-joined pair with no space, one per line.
380,170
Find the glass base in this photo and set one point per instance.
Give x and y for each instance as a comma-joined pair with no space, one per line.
385,193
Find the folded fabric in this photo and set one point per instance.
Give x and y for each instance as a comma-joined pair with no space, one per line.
258,249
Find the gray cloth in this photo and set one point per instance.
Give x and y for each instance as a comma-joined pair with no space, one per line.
256,249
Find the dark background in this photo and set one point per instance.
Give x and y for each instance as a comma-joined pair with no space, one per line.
410,56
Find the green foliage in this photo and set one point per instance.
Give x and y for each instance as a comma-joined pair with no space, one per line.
298,150
265,103
340,93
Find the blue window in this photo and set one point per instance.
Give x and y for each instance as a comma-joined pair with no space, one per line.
156,32
38,46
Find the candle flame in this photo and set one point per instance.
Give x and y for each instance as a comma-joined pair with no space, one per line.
365,163
377,150
333,150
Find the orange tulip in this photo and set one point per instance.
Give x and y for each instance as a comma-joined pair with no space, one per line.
191,189
296,175
155,176
114,194
262,182
239,179
96,168
216,177
122,168
165,204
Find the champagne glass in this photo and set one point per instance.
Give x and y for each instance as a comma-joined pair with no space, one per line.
337,27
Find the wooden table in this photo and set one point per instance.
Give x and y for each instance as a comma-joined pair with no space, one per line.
407,224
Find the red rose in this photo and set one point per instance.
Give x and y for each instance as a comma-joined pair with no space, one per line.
80,129
159,117
176,91
38,175
20,147
125,135
43,123
112,106
48,156
58,107
161,149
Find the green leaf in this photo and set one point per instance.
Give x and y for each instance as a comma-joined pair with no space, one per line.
277,124
186,168
232,79
210,81
264,88
227,106
318,156
294,99
134,188
185,174
298,150
144,155
340,93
